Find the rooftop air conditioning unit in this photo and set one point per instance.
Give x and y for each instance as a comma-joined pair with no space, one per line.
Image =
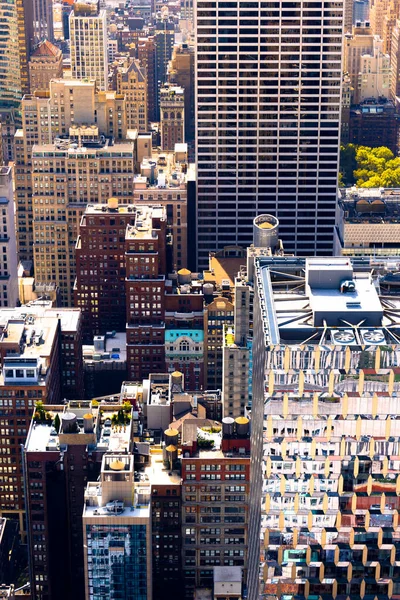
373,336
343,337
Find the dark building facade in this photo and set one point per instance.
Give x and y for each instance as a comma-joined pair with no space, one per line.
147,57
63,452
145,259
99,289
374,123
166,511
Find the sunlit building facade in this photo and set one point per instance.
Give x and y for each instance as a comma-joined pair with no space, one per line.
88,34
325,435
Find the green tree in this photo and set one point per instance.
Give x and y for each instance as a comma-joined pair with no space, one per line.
57,423
348,163
373,167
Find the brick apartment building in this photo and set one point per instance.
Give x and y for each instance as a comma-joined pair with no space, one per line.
35,347
123,258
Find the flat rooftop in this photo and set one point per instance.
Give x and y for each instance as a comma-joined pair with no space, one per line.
105,436
26,338
223,269
69,150
131,512
143,227
228,574
371,205
329,301
163,171
114,351
98,209
159,475
69,317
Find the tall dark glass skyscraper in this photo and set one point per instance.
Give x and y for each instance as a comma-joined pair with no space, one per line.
268,114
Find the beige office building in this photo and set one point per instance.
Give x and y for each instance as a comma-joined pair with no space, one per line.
374,75
378,10
66,176
172,114
181,73
132,84
48,115
356,44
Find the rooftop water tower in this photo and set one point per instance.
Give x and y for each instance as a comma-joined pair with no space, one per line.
265,232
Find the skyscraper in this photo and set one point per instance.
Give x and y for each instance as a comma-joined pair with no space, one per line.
15,45
10,86
324,441
43,20
88,32
267,114
8,252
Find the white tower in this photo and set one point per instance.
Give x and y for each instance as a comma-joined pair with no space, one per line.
88,34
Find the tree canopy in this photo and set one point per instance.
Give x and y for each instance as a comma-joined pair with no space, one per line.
369,167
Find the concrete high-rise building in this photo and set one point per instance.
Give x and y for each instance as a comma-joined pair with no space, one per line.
8,246
132,84
324,442
172,116
117,525
267,116
45,64
377,12
88,35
